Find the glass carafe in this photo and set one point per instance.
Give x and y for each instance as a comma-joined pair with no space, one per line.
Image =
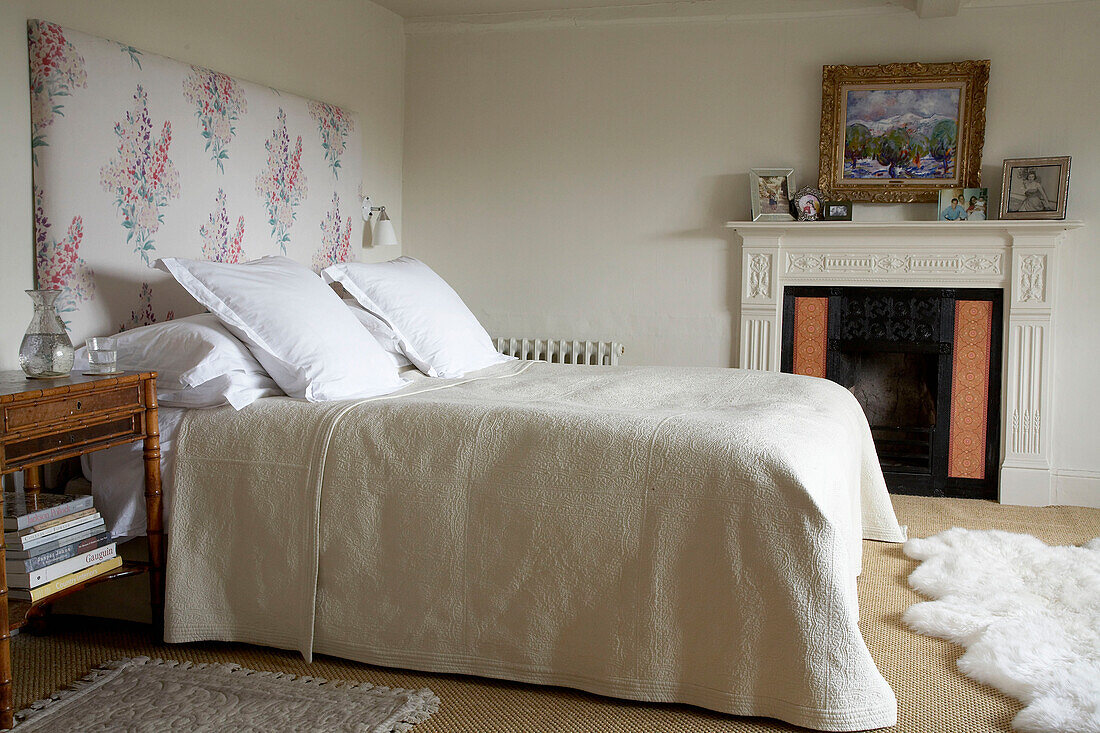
46,350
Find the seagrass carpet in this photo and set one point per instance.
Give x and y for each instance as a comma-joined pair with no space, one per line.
933,696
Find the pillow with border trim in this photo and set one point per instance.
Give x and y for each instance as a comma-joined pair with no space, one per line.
198,362
293,323
437,331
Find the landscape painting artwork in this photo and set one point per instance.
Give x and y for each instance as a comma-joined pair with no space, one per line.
901,133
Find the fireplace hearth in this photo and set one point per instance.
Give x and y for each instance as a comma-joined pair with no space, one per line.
925,365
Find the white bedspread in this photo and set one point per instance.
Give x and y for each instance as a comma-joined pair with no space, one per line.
661,534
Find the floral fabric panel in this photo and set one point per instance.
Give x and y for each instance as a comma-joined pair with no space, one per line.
219,104
58,262
335,239
282,183
217,244
141,175
138,157
811,328
57,70
143,314
334,126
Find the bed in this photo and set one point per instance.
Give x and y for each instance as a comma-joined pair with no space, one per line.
631,532
669,535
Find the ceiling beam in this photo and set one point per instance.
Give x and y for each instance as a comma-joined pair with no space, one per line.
938,8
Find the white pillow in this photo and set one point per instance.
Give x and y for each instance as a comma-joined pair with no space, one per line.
198,363
294,324
239,389
436,329
382,333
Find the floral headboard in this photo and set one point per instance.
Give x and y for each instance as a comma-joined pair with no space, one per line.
137,157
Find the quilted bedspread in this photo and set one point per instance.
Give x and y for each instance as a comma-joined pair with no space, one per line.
660,534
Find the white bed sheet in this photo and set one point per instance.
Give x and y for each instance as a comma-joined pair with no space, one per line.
118,478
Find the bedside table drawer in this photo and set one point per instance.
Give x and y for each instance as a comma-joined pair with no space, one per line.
74,441
77,406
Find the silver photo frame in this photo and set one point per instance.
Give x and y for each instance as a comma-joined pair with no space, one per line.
1035,188
770,193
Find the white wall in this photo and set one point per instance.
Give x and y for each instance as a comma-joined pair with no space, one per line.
348,52
574,181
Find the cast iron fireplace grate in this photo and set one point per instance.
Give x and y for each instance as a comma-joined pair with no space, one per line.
924,364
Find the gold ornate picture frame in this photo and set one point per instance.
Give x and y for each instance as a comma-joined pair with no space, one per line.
896,133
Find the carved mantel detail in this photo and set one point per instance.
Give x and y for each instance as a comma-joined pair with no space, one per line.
1025,433
1032,278
760,266
899,263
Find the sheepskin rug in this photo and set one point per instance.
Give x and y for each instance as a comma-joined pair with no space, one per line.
1028,615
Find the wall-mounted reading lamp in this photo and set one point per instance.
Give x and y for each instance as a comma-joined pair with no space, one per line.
384,234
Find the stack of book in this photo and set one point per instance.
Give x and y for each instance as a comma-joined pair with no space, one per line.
54,541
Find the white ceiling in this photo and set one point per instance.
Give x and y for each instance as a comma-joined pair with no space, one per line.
424,9
430,8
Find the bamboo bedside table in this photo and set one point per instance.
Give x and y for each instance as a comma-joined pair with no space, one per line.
46,420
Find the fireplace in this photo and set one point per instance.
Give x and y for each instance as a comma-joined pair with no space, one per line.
925,365
1017,258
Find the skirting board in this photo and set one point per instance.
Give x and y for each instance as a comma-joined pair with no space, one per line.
1076,488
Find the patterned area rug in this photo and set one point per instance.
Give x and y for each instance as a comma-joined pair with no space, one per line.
143,694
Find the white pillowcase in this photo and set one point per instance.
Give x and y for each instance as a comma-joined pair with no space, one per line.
198,363
294,324
382,333
436,329
239,389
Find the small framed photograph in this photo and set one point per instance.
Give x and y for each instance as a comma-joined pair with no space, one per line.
807,203
836,210
963,204
770,193
1035,188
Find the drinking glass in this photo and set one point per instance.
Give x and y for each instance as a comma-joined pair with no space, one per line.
102,355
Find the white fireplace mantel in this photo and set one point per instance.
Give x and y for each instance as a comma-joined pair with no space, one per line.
1018,256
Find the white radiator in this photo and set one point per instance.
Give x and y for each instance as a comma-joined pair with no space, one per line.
560,351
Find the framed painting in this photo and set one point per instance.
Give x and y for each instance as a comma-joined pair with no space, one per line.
1035,188
770,193
901,132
